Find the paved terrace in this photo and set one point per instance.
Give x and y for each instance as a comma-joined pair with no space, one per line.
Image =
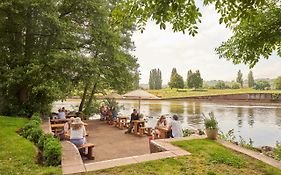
112,143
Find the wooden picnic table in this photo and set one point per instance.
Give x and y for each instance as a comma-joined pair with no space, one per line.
163,132
121,122
137,123
57,127
58,121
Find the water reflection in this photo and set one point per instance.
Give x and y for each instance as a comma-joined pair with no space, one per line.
239,116
251,119
278,117
177,109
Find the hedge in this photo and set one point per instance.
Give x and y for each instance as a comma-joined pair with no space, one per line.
49,145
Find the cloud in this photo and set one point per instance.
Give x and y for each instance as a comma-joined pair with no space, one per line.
165,49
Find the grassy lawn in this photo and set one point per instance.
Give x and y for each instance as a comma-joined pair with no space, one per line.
18,155
169,93
208,158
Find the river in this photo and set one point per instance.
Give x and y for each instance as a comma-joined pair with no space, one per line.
259,121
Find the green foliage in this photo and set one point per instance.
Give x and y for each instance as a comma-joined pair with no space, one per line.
254,38
52,152
211,123
239,78
220,85
277,151
17,153
234,85
176,80
194,80
112,103
275,97
251,81
155,79
35,134
277,83
36,117
229,136
262,85
26,130
44,138
186,133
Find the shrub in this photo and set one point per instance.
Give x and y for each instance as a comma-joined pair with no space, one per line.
25,131
36,117
34,134
44,138
52,152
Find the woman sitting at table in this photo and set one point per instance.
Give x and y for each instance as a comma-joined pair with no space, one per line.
61,114
175,128
78,133
161,123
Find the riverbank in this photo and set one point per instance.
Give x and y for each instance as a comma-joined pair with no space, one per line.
182,93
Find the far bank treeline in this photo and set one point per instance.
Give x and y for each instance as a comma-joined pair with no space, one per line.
51,48
195,81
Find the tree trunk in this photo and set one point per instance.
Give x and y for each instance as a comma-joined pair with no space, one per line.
92,95
84,96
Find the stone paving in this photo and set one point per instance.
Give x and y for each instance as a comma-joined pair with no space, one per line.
113,143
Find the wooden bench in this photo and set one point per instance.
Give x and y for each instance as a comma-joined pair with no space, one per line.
145,130
89,147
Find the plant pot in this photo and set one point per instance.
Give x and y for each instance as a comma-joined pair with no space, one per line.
212,134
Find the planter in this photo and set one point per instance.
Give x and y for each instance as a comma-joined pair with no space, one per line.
212,134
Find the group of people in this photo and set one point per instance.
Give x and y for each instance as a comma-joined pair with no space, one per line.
62,112
109,113
174,128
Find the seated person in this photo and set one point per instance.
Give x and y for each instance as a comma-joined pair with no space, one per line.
61,114
175,128
114,114
67,125
78,133
134,116
103,112
161,123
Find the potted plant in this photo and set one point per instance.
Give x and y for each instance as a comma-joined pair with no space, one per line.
211,126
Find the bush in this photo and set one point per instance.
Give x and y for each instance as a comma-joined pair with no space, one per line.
36,117
26,130
34,134
52,152
262,85
44,138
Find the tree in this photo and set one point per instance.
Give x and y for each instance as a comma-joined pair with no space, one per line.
176,82
262,85
48,49
277,83
174,72
155,79
255,23
251,81
255,38
220,85
239,78
194,80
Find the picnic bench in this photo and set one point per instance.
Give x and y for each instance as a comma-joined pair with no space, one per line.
58,121
163,132
89,147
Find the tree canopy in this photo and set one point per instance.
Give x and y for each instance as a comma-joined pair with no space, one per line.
155,79
49,48
255,23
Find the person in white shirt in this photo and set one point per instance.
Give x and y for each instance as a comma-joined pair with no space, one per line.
175,127
78,133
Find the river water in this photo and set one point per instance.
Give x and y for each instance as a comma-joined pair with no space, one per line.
259,121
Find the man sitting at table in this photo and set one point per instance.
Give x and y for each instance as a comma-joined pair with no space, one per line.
134,116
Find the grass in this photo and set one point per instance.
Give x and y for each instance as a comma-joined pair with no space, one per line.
18,155
172,93
208,158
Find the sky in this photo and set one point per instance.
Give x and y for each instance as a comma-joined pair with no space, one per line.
165,49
